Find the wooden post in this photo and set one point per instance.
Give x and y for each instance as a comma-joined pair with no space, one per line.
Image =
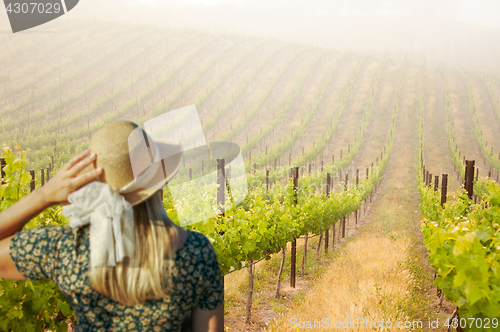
267,179
42,177
328,177
436,182
469,178
2,173
343,227
190,174
221,197
444,189
32,183
250,292
48,174
3,163
294,243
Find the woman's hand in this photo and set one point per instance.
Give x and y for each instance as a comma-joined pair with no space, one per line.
67,180
55,191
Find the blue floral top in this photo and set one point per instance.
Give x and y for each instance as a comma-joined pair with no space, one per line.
61,253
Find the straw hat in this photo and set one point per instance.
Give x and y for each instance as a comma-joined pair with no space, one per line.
123,149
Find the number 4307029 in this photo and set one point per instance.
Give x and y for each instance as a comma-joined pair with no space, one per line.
484,323
34,7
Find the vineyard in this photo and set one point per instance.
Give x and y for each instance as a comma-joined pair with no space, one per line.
329,137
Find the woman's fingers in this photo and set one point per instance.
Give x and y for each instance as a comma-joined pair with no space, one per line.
76,159
83,179
67,179
78,167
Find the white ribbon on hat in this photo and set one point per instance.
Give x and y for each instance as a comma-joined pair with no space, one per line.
110,216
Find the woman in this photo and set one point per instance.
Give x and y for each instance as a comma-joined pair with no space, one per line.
122,263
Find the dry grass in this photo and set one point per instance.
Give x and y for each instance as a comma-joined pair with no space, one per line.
368,279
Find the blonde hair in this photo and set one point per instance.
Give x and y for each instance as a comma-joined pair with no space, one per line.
142,277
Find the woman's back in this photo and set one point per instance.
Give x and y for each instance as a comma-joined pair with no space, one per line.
61,254
117,262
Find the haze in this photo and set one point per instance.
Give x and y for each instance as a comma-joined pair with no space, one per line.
450,31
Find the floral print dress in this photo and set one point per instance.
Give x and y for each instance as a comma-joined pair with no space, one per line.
61,253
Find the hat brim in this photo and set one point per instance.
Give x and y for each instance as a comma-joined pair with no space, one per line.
167,169
169,166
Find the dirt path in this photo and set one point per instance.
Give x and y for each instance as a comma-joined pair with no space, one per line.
437,153
381,273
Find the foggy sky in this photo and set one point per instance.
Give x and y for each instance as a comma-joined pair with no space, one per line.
481,12
461,31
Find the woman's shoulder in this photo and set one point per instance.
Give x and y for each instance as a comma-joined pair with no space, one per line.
64,240
63,234
198,239
38,251
50,232
199,249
